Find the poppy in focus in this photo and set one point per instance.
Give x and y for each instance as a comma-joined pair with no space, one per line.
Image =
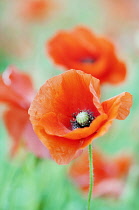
109,173
16,91
81,49
67,114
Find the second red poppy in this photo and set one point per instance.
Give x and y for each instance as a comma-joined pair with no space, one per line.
81,49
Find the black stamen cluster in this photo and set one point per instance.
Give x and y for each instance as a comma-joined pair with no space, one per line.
74,122
88,60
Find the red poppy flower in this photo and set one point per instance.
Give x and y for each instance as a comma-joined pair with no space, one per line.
109,173
16,90
121,26
81,49
126,10
34,10
67,114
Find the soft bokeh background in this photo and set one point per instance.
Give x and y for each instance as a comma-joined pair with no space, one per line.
29,183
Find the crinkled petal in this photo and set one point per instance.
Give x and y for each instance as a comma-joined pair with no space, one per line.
118,107
62,150
100,132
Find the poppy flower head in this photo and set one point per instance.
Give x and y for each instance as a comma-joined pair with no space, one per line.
67,114
68,103
81,49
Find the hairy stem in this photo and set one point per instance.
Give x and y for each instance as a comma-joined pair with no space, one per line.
90,149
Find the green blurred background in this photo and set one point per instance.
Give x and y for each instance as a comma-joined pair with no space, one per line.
29,183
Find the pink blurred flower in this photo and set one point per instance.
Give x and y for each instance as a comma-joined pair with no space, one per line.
109,173
17,92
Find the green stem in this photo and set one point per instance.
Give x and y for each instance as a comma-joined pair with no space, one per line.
90,149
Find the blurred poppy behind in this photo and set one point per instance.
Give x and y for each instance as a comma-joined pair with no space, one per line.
122,10
67,114
81,49
109,173
34,10
17,92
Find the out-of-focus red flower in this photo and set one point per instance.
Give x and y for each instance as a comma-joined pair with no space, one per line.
67,113
126,9
109,173
34,10
16,91
81,49
124,15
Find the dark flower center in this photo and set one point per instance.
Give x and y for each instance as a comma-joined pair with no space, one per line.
82,119
88,60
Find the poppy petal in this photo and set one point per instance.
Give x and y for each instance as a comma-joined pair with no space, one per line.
62,150
16,88
118,107
15,121
115,68
100,132
119,73
33,143
7,95
111,187
73,44
123,163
